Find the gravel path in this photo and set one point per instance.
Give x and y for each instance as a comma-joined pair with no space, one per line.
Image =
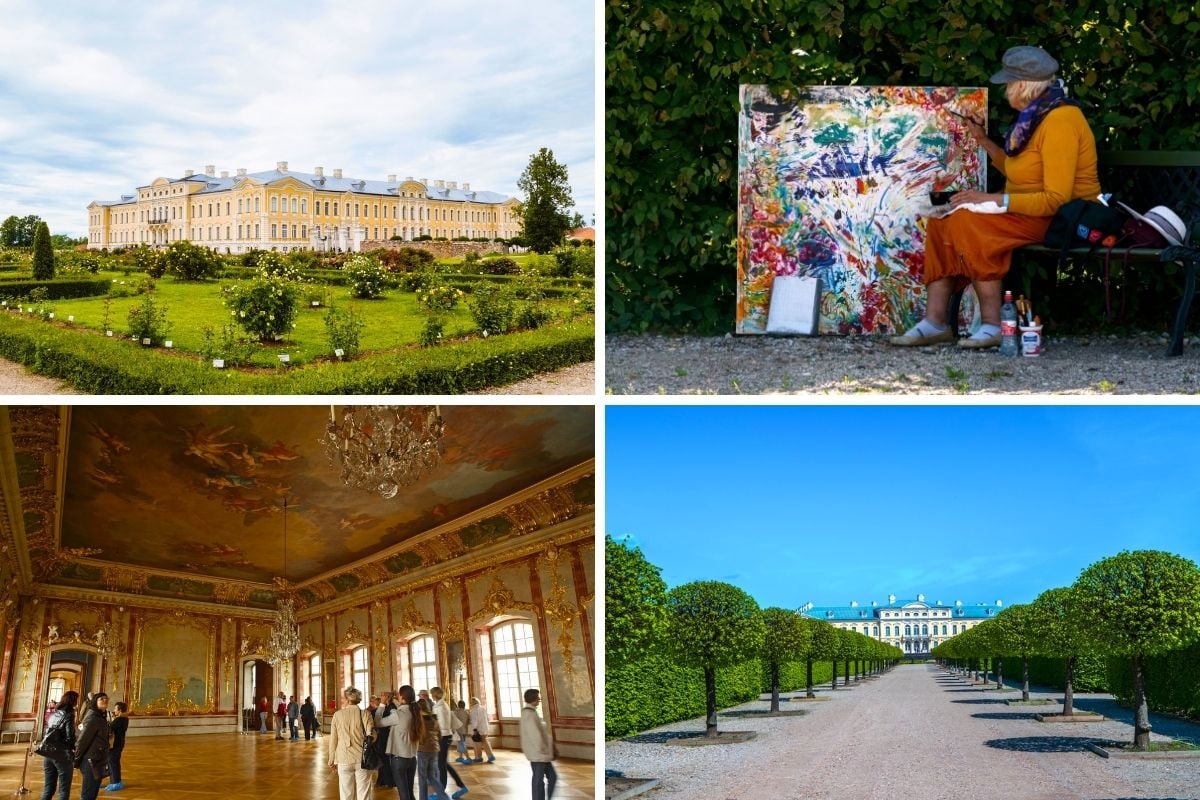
15,379
915,732
653,364
575,379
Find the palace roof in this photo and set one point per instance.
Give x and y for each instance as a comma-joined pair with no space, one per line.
854,611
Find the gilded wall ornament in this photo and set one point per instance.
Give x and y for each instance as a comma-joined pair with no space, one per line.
353,634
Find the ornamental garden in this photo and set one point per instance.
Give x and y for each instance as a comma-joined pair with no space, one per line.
186,320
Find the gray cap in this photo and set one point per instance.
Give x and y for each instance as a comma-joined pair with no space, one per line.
1026,63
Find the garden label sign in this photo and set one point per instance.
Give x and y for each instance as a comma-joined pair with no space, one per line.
834,182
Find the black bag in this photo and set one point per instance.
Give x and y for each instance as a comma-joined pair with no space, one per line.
99,767
1082,222
370,756
475,737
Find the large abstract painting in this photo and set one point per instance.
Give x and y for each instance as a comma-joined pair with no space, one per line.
834,182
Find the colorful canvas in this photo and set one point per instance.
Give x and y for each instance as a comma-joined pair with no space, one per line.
834,182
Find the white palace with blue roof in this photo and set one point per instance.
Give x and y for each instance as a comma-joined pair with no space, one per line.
915,626
284,210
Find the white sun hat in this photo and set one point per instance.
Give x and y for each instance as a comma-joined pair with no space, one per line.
1163,220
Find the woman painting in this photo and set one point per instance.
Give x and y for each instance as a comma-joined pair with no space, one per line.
57,748
1048,159
347,731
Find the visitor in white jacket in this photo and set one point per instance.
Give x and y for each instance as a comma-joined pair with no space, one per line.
537,743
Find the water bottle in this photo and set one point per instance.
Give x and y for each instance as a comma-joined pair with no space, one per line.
1008,327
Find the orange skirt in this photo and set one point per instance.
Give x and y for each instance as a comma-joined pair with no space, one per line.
977,247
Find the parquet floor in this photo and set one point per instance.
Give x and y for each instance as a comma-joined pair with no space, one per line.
212,766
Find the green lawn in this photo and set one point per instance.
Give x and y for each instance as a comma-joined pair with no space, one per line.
392,322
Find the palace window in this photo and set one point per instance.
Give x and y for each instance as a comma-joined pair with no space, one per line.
314,681
226,231
907,630
293,205
239,206
304,231
954,628
227,207
375,211
887,630
514,660
293,231
239,231
356,209
257,204
272,230
422,660
274,203
327,208
256,230
360,677
377,234
303,205
210,209
943,630
335,209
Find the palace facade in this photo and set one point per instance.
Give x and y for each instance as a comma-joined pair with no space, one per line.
915,626
283,210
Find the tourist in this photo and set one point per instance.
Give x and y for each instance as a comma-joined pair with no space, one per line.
427,754
118,727
308,716
347,731
1048,159
403,723
280,716
445,718
91,749
480,728
537,744
264,709
461,719
381,741
57,747
293,711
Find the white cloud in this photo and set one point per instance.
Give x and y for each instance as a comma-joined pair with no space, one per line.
97,99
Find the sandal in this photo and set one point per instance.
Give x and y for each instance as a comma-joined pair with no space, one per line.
914,338
980,342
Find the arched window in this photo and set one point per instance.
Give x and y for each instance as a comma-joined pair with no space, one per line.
360,676
887,630
422,659
314,680
908,630
257,204
293,205
943,629
303,205
925,630
239,206
515,662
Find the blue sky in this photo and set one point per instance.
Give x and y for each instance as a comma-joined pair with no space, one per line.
834,504
97,98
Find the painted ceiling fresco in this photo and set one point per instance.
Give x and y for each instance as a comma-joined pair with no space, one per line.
200,489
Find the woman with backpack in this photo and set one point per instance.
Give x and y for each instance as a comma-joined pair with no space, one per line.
57,748
91,750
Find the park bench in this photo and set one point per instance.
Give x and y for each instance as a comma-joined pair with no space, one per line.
1141,180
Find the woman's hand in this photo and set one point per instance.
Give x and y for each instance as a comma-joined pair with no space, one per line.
971,196
977,132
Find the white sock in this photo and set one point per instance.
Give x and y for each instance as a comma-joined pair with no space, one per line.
925,328
986,330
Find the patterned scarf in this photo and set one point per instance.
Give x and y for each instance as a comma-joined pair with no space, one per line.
1032,115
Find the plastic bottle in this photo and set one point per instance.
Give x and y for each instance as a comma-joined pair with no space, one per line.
1008,327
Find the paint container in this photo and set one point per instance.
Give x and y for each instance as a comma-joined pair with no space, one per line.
1031,341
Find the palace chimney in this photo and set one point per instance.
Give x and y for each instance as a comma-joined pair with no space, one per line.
337,173
210,170
319,172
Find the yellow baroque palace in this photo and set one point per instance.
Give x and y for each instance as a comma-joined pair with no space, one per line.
285,211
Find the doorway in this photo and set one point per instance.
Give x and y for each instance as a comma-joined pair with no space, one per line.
258,681
70,671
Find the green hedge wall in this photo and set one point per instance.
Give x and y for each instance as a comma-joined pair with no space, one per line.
60,289
671,110
97,365
1172,681
1091,672
656,691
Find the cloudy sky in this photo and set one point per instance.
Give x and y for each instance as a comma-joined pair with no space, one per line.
829,505
99,97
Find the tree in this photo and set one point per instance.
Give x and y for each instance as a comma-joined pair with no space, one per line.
19,231
1060,634
635,602
787,639
1141,603
544,214
1016,634
190,262
823,647
43,254
713,625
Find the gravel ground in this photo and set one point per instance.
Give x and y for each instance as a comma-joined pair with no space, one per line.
653,364
15,379
916,732
576,379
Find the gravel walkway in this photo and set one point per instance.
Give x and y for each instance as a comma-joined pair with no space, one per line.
15,379
575,379
653,364
916,732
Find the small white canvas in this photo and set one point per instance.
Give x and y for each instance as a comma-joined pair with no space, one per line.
795,305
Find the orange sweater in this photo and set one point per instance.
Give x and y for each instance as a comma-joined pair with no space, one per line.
1056,166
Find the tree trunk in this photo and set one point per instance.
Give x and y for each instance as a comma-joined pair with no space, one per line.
999,665
774,688
809,691
1024,677
1069,689
710,698
1141,712
846,673
833,683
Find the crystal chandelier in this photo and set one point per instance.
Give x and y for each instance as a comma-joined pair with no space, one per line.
382,448
285,632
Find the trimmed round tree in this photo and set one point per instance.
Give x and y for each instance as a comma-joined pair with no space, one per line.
822,647
43,253
188,262
1141,603
635,603
1061,633
1016,635
787,640
713,625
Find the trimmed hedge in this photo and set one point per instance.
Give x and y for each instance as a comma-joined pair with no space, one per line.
1172,681
671,115
656,691
58,289
97,365
1091,672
